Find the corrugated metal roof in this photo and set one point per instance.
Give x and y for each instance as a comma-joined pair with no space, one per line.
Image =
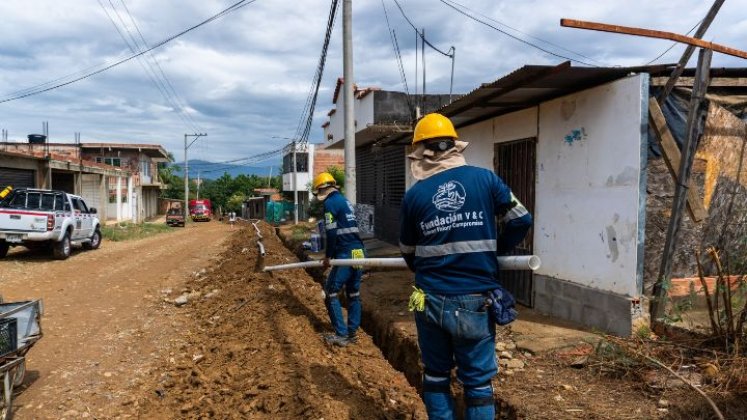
531,85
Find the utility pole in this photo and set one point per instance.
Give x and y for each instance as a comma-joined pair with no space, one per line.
295,184
347,74
186,170
198,184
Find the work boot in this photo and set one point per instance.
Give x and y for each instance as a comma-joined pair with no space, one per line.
336,340
352,339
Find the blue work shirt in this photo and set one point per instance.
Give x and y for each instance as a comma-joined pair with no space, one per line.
448,233
341,227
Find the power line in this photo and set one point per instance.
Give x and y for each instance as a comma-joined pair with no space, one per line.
524,33
234,7
416,31
134,47
250,161
307,115
181,104
523,41
674,44
398,58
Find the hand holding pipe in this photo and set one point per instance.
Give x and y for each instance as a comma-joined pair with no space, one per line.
514,262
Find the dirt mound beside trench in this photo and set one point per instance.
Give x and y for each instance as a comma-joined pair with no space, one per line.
254,351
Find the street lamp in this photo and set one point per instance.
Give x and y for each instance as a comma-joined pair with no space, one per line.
186,170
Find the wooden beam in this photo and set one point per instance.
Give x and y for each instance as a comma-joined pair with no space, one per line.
689,81
650,33
671,154
677,72
695,122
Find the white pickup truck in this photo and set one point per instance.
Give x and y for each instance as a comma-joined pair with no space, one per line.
38,218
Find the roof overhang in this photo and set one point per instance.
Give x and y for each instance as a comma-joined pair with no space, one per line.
375,133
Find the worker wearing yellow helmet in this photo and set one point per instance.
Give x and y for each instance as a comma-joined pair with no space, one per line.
343,242
448,237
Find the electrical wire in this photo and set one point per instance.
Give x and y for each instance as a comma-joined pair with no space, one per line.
514,37
180,103
234,7
524,33
134,48
398,58
418,32
248,161
674,44
307,115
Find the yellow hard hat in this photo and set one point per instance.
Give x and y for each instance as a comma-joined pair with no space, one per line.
433,126
324,179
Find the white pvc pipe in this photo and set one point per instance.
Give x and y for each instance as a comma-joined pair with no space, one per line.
518,262
261,248
259,234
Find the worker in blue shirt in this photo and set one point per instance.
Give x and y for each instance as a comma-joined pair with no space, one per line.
449,238
343,242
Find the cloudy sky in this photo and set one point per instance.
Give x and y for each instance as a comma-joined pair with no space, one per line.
245,77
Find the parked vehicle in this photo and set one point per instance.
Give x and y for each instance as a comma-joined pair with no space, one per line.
175,217
38,218
200,210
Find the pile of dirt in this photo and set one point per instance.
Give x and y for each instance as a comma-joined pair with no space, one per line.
254,351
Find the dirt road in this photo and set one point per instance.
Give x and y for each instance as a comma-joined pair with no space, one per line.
247,345
103,325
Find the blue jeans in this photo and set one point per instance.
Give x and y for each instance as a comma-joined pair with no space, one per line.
457,331
350,279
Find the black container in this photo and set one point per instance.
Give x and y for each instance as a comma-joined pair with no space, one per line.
8,336
37,138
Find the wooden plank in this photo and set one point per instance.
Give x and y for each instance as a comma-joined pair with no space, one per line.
712,12
695,120
650,33
689,81
671,154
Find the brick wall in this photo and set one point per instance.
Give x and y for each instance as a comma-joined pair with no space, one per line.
325,158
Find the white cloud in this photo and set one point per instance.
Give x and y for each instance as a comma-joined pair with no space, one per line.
246,76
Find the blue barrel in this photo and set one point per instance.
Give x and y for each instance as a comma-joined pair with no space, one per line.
316,242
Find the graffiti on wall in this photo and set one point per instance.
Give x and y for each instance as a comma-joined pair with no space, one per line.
575,136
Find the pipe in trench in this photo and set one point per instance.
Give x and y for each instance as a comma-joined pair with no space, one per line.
515,262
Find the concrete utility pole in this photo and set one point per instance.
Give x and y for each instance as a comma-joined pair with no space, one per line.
295,184
186,171
198,184
347,74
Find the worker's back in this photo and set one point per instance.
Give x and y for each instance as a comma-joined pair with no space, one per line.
449,218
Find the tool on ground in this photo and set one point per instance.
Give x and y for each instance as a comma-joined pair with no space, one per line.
515,262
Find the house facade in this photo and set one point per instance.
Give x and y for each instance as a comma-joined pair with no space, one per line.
142,161
120,180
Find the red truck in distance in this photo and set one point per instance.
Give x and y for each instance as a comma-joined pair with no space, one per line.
200,210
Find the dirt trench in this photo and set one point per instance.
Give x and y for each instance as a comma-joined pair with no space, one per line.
253,350
387,321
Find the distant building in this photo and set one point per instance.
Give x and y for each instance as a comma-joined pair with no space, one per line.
120,180
380,116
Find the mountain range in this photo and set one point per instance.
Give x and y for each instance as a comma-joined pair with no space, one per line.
211,170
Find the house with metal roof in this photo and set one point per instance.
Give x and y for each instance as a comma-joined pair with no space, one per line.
576,147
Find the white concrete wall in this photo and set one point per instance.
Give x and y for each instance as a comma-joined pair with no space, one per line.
587,192
364,116
588,177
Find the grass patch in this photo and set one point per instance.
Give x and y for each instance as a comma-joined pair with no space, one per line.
301,232
128,231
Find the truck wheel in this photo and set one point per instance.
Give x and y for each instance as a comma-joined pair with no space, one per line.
4,247
61,250
95,241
